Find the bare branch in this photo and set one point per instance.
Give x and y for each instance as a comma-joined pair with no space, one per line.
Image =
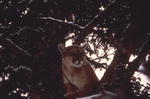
18,47
98,19
98,65
133,66
97,16
62,21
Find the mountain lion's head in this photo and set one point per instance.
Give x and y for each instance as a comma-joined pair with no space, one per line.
72,55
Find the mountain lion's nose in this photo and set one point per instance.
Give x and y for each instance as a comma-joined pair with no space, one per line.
75,61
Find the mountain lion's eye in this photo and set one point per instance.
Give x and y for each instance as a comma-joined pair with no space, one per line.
82,52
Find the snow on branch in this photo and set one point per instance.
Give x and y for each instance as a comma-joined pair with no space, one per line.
15,69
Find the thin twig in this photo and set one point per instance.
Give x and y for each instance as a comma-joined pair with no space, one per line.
62,21
18,47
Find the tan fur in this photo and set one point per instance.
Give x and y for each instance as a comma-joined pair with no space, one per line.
80,79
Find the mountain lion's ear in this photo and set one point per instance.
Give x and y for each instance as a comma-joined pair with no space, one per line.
61,47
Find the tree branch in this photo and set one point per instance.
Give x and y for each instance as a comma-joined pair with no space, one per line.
11,44
98,19
133,66
18,47
63,22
